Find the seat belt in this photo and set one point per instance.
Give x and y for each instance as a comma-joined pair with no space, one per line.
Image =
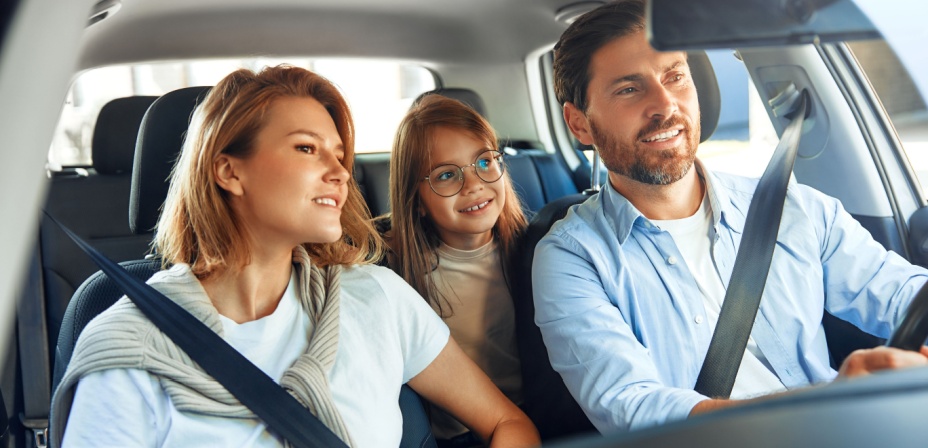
32,335
282,413
749,274
4,422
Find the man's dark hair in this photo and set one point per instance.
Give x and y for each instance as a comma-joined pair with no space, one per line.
589,33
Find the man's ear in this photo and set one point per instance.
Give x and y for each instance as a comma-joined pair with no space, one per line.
227,172
578,124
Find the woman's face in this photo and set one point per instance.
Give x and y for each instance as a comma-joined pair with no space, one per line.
466,219
292,188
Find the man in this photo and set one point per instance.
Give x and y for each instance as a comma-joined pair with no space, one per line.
628,287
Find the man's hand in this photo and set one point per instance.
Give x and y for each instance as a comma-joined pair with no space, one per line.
867,361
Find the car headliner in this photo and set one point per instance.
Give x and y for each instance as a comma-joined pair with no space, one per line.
459,32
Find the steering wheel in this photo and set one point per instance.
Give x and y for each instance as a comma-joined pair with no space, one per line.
913,331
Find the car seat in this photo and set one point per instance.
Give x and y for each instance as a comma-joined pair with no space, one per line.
94,206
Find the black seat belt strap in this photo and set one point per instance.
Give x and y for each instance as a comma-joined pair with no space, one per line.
4,422
749,274
32,335
282,413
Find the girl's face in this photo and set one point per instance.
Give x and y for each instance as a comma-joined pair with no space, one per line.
466,219
292,188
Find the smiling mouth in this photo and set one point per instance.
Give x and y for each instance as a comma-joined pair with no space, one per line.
666,135
476,207
326,201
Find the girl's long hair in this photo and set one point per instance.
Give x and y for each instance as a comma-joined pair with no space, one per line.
414,238
198,226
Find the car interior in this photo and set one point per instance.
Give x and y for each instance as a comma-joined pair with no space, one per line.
858,144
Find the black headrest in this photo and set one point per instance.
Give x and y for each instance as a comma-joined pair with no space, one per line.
707,88
466,96
160,140
115,132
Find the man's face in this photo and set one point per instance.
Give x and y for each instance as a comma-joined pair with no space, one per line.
642,111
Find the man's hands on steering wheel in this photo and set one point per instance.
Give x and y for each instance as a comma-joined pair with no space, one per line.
866,361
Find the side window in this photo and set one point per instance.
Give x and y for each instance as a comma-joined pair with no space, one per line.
378,103
901,100
744,139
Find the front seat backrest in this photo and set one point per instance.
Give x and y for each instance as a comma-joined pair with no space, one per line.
159,142
546,399
93,206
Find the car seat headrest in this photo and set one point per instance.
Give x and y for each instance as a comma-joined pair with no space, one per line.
707,88
160,140
114,134
466,96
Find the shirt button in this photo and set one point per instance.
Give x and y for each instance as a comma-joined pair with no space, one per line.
698,320
671,260
647,225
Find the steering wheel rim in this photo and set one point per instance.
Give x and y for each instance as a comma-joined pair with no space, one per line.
912,332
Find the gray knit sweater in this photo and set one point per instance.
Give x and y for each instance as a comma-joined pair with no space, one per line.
123,338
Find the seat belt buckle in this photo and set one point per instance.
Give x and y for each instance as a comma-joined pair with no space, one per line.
39,428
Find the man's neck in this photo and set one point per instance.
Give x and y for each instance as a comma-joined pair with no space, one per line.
678,200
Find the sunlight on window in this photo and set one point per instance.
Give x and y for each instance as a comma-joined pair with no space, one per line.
746,157
379,93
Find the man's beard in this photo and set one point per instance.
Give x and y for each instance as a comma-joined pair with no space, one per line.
648,166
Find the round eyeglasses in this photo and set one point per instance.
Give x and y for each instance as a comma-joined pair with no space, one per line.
448,180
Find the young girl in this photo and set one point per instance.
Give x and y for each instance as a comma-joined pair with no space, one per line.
455,223
265,239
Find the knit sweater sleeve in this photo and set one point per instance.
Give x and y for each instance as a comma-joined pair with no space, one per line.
112,340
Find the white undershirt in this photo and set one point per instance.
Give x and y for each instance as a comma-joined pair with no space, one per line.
272,343
693,237
385,338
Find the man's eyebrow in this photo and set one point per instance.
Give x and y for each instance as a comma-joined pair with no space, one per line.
674,65
627,78
637,77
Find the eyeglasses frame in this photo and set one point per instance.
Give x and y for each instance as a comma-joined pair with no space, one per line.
498,157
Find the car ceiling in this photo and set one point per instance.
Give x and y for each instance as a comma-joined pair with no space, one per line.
459,32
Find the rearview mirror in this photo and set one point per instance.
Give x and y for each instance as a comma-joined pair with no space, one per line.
705,24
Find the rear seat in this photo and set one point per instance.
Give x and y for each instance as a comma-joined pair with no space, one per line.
94,206
538,177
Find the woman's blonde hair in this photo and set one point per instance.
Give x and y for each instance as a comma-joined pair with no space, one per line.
198,226
414,238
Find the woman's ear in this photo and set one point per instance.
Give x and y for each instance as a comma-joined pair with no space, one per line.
226,168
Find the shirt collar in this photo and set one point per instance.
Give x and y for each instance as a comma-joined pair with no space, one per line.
724,209
623,215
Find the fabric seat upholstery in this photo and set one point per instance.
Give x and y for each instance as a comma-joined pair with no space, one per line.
94,206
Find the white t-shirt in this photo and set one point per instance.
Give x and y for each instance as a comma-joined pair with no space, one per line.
387,335
481,319
693,237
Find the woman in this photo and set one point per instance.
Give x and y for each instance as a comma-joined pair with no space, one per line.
267,241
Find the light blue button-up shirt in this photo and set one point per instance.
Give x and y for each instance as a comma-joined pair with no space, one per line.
624,321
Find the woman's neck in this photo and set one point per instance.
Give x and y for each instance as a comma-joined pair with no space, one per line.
254,290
